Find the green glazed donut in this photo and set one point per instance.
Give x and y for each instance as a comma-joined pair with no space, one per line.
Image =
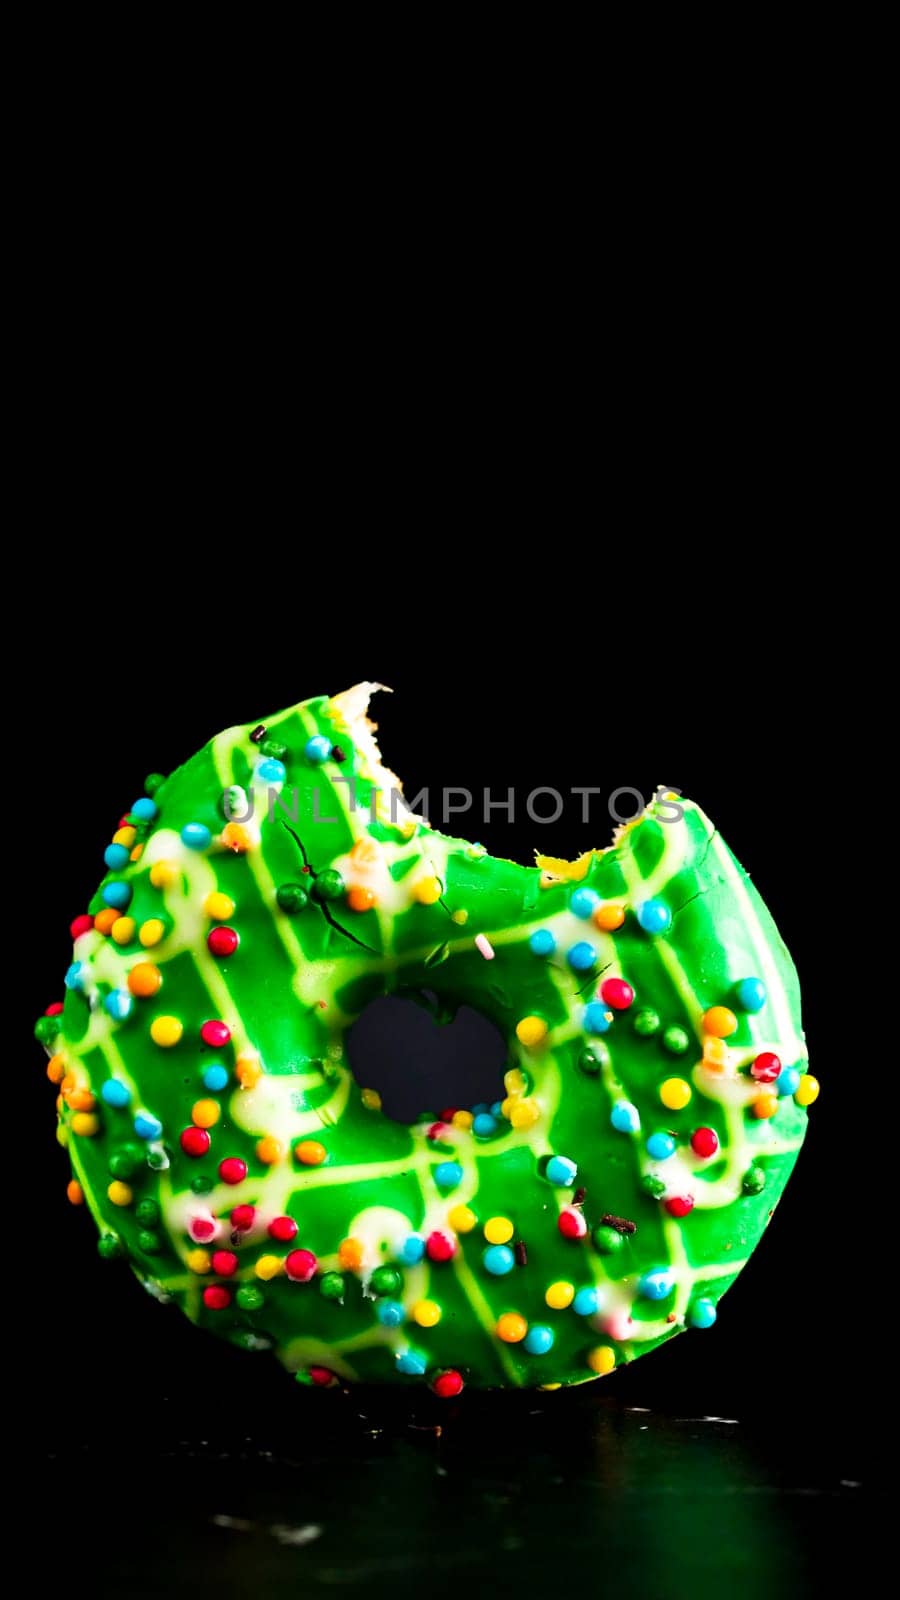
655,1089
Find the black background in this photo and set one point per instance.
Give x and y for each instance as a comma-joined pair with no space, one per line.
623,667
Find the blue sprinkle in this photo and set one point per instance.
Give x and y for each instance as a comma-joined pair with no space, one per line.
498,1260
448,1174
787,1081
539,1339
196,836
561,1170
654,916
74,978
411,1361
484,1125
660,1146
116,857
657,1284
119,1004
215,1077
497,1109
751,994
147,1126
584,902
625,1117
145,809
587,1302
116,894
481,1107
412,1250
115,1092
597,1017
389,1313
582,956
318,749
702,1314
542,942
271,771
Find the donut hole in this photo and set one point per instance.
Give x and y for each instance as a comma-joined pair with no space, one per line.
423,1059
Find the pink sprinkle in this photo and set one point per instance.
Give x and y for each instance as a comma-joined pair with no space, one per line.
484,946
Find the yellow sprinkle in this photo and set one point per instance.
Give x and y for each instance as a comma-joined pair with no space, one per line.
426,1313
268,1267
460,917
269,1150
531,1030
163,874
248,1071
559,1295
199,1261
601,1359
371,1099
166,1031
427,891
716,1054
121,1194
506,1106
123,930
675,1094
62,1134
151,932
497,1230
205,1113
74,1193
524,1114
219,906
126,836
807,1090
550,1386
462,1119
237,838
462,1219
85,1124
310,1153
514,1081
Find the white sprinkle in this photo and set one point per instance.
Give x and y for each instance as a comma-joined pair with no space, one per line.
484,946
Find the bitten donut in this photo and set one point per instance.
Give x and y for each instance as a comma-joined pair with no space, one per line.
255,903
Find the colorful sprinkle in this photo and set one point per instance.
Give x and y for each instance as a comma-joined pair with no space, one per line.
750,995
654,916
511,1327
702,1314
542,942
807,1090
617,993
166,1031
597,1017
675,1093
561,1170
498,1260
584,902
559,1295
196,836
625,1117
317,749
656,1285
484,947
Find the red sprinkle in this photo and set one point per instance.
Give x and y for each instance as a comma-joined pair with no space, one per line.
448,1384
216,1297
82,924
225,1263
283,1228
704,1142
617,993
437,1130
300,1266
222,942
54,1009
440,1247
680,1205
766,1067
233,1169
572,1224
201,1229
321,1377
242,1217
195,1141
215,1033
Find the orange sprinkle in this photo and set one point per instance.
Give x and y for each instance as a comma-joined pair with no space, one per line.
74,1193
237,838
720,1022
511,1327
248,1071
609,918
715,1053
765,1105
104,919
145,979
56,1069
270,1150
350,1254
68,1083
136,853
80,1100
360,899
310,1153
205,1113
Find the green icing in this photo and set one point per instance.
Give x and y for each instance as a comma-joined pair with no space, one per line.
299,979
